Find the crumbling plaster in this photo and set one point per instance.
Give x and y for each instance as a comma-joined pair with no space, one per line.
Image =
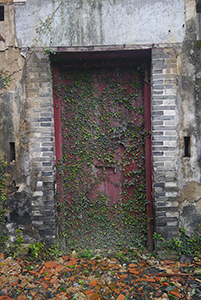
13,108
189,122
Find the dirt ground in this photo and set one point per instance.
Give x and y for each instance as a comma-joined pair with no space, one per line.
100,278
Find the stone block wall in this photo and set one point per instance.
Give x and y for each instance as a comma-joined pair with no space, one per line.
164,141
40,117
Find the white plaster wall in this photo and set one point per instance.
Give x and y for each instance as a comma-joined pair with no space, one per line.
100,22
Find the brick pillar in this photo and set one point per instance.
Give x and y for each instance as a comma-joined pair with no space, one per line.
40,118
164,141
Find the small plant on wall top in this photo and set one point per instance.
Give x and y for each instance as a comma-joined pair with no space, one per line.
4,81
44,30
103,135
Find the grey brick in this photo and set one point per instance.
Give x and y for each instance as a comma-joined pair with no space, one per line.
47,164
157,133
49,212
46,173
164,97
168,209
47,130
159,184
164,118
45,104
158,82
49,135
46,124
164,138
162,158
161,222
163,128
170,178
157,92
157,143
49,222
47,193
45,119
45,95
169,189
172,219
44,85
158,61
164,148
47,114
156,122
47,185
158,153
156,164
47,154
159,71
39,188
168,169
159,113
161,214
163,107
159,194
42,159
158,87
157,102
161,204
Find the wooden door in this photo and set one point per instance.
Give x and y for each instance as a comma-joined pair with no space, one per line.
101,171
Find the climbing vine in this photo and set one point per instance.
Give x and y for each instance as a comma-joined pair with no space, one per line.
44,30
3,235
101,175
4,81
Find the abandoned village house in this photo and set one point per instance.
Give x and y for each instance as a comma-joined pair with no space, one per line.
110,90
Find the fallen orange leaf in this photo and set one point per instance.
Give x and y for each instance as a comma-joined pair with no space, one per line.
50,264
93,282
176,293
132,265
120,297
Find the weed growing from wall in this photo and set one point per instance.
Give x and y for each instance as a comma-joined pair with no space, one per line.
44,30
101,175
4,81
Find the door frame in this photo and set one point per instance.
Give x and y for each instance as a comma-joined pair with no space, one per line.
76,59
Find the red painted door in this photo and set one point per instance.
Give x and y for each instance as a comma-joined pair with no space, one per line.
100,140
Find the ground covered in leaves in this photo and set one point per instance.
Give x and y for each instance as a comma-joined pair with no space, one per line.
104,277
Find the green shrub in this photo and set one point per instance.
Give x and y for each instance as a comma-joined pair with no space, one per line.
188,245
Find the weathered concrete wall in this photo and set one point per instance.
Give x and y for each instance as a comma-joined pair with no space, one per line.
26,120
189,168
99,22
177,180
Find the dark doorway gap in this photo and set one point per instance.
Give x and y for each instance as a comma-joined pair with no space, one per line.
1,13
187,146
12,151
